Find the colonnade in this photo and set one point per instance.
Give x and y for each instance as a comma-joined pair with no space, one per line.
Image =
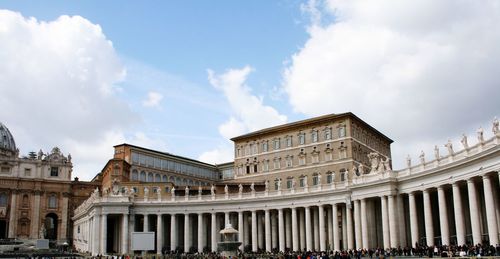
464,211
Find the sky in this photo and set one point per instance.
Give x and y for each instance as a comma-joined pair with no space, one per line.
186,76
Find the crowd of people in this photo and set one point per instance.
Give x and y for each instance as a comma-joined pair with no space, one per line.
418,251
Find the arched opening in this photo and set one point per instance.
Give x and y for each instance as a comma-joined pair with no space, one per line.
51,226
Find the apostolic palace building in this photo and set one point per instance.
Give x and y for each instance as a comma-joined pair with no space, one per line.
324,183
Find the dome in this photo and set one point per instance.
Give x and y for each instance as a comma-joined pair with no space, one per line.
6,140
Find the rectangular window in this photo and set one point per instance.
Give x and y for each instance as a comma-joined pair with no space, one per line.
289,183
289,141
341,131
329,178
328,156
314,136
54,171
53,202
328,134
254,150
302,138
315,179
301,182
276,164
27,171
265,146
289,162
5,170
302,160
315,158
277,144
276,185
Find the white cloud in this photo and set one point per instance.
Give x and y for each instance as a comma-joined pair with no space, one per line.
248,112
223,153
153,99
58,88
412,69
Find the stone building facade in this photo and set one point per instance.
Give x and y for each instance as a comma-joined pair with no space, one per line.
449,199
37,196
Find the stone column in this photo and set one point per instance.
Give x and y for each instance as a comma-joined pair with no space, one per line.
443,217
413,219
281,229
490,210
214,231
316,229
35,221
335,228
459,214
159,233
13,213
393,221
267,223
241,233
309,243
357,224
350,232
146,223
302,230
260,231
226,218
322,239
401,221
474,212
95,237
125,233
295,231
288,229
173,232
385,223
64,217
200,233
104,231
429,228
364,225
254,231
274,230
187,233
329,230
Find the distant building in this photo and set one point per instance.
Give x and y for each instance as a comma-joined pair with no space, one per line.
37,196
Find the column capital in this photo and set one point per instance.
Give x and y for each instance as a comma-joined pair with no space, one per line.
470,181
145,214
486,177
440,187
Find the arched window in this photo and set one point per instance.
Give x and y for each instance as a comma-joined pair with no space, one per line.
150,177
52,201
157,178
135,175
143,176
172,179
164,178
